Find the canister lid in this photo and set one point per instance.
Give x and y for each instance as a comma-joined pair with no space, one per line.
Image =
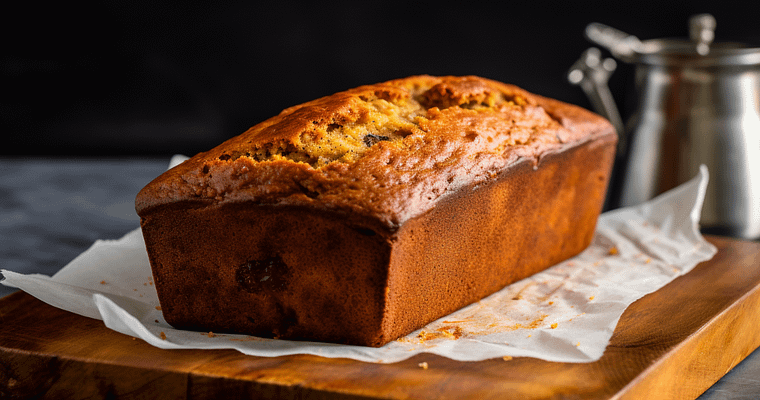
698,50
681,51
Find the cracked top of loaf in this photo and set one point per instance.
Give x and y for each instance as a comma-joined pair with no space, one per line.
387,151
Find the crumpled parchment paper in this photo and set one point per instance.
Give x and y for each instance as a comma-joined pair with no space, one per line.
566,313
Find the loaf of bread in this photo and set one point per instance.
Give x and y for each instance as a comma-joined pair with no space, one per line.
359,217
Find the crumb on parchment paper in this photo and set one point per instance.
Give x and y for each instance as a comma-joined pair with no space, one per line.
452,332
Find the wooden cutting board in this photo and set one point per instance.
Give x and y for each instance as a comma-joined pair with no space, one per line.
672,344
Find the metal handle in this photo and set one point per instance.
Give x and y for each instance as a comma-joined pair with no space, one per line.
622,45
592,73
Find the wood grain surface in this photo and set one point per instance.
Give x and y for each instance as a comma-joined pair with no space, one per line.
671,344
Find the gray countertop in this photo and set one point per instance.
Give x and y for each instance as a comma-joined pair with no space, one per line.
51,210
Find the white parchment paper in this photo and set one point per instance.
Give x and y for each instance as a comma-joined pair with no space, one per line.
566,313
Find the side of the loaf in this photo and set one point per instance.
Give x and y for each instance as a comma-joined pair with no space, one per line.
490,235
269,271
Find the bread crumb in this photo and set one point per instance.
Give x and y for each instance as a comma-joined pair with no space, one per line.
551,302
156,320
648,260
554,325
423,365
506,358
102,282
591,298
211,334
530,335
613,250
578,344
163,336
134,290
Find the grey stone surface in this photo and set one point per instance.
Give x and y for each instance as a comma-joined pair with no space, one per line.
52,210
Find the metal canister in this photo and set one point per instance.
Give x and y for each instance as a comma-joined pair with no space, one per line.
698,103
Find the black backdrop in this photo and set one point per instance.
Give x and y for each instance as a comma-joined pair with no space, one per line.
162,77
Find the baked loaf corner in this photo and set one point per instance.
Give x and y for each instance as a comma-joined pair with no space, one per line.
361,216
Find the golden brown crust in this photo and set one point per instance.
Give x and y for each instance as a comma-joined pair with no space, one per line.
465,129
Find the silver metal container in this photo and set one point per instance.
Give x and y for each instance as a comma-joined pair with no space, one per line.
698,103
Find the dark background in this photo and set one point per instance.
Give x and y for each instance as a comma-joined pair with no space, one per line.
154,78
